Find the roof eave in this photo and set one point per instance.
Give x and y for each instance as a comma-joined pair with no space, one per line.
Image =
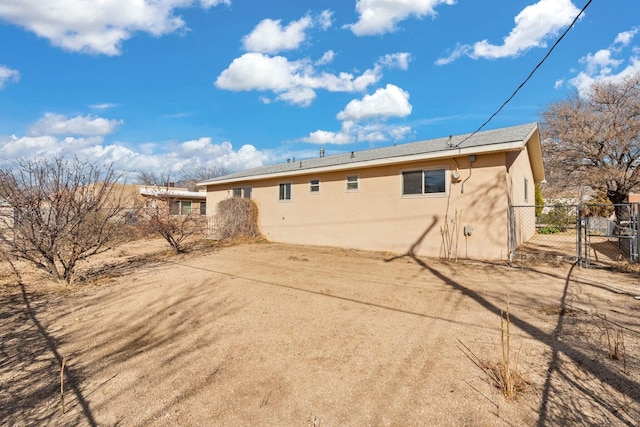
450,153
534,149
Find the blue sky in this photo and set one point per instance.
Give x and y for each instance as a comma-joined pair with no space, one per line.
166,86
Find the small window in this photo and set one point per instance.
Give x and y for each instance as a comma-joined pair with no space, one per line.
428,181
244,192
180,207
185,206
352,183
526,190
314,186
285,191
174,207
203,208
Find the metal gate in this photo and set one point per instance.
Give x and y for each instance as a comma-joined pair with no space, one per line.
587,234
608,228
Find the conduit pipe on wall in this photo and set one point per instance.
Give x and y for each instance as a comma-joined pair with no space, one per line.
472,158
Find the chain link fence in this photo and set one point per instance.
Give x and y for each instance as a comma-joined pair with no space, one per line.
587,233
544,232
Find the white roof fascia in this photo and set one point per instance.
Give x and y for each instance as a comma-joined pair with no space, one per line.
145,191
457,152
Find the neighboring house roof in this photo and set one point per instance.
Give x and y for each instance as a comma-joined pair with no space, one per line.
513,138
169,192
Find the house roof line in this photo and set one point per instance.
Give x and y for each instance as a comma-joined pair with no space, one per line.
164,192
501,140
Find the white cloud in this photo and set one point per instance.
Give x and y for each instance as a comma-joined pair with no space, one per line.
325,20
8,75
365,119
396,60
458,51
269,36
388,102
605,64
534,25
601,62
295,82
327,58
58,124
14,147
104,106
382,16
584,80
97,27
175,158
352,132
328,137
625,37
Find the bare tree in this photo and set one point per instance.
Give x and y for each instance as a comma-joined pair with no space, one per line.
64,211
202,173
594,140
165,215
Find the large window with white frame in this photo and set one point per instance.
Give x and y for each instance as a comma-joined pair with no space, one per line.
431,181
284,191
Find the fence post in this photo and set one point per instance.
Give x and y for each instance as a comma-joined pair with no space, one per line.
512,235
579,235
635,218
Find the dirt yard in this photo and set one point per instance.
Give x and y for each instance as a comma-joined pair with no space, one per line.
277,335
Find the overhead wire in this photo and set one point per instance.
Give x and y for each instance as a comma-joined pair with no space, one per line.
529,76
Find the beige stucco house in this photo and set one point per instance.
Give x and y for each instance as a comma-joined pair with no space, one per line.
181,200
446,197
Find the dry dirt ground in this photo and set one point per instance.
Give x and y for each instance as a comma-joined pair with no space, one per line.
277,335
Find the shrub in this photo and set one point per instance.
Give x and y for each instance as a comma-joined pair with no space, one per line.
559,216
237,218
549,229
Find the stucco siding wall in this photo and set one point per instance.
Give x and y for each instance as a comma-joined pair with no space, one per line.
378,217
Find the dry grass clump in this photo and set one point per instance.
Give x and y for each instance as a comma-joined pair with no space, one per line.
236,219
616,349
504,375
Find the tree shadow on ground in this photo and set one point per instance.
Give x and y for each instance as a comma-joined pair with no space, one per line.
31,365
31,362
614,394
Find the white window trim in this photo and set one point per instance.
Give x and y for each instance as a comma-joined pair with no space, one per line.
290,192
447,182
346,183
311,185
243,192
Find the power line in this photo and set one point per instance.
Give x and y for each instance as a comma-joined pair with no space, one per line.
530,74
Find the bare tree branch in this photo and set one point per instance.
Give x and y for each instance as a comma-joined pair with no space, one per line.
594,139
63,212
